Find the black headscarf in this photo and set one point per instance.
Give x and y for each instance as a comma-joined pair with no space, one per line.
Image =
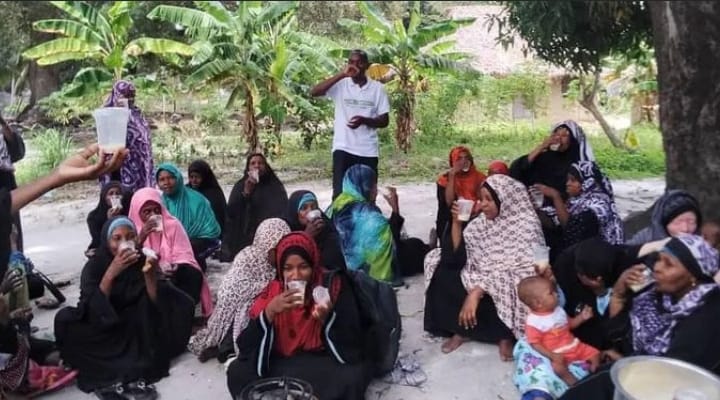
211,189
665,209
96,218
291,216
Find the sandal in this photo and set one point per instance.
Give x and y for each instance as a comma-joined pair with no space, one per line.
140,390
47,304
114,392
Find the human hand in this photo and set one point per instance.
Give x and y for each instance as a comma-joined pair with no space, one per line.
611,355
78,167
249,185
356,121
149,227
544,271
350,71
586,314
320,311
468,313
123,259
113,212
24,314
392,198
284,301
455,211
12,281
547,191
547,142
632,276
315,227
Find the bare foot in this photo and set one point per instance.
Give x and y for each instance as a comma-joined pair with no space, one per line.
453,343
506,349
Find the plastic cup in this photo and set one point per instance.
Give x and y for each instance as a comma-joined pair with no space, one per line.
312,215
554,147
541,257
465,209
116,202
537,197
298,285
647,273
111,125
321,295
255,175
127,245
159,222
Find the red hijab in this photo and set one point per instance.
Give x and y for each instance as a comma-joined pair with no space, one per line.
466,183
296,330
498,167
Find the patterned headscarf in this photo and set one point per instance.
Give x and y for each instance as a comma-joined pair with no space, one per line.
250,273
597,196
654,315
500,251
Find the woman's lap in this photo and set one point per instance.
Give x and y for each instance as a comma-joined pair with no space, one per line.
534,372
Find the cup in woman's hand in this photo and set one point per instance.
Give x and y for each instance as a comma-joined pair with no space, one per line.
465,209
298,285
537,197
647,280
254,174
312,215
116,202
321,296
126,245
541,257
158,221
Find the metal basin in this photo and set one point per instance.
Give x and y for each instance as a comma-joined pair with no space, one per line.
660,378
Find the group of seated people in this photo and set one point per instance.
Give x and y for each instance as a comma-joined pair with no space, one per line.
597,297
287,306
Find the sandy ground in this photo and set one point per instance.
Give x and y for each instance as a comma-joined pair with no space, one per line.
56,236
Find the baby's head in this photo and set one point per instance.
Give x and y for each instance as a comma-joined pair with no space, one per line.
711,234
538,294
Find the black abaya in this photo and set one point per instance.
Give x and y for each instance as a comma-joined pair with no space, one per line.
244,214
97,217
410,251
446,295
125,336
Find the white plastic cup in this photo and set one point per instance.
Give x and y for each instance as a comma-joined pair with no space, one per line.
255,175
321,295
537,197
555,147
298,285
465,209
541,257
116,202
111,125
647,273
312,215
126,245
159,222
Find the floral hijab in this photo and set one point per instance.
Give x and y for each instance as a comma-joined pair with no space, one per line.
597,196
500,251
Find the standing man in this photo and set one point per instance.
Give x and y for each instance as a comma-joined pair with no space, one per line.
361,107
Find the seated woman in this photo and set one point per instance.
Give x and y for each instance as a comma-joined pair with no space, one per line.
674,213
202,179
105,210
249,275
303,214
129,322
164,234
291,334
365,234
257,196
676,319
461,180
192,209
590,211
471,281
498,167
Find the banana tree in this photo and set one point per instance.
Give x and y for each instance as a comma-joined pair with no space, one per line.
255,50
413,50
100,36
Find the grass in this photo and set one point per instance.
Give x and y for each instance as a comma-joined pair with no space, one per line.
50,147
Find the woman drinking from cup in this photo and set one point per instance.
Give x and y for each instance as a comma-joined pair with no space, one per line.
461,181
257,196
164,234
129,323
302,328
677,318
471,281
114,201
303,214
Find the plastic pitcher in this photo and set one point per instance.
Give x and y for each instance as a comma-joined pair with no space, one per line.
111,124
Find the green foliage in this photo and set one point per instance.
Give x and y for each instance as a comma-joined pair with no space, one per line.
99,35
53,147
575,34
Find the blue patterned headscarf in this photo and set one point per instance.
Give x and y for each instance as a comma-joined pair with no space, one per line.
597,197
654,315
365,234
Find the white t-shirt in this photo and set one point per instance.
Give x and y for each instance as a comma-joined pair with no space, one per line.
370,100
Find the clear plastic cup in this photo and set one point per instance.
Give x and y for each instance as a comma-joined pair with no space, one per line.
647,273
255,175
537,197
465,209
321,295
541,257
111,125
298,285
116,202
159,222
312,215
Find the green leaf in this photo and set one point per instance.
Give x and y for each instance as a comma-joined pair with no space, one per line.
276,11
120,21
61,45
86,14
158,46
428,34
442,46
373,16
92,75
212,70
217,10
69,28
415,18
62,57
199,23
237,93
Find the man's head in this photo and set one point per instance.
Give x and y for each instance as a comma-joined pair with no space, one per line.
359,59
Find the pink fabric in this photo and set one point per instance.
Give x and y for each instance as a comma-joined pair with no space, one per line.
172,244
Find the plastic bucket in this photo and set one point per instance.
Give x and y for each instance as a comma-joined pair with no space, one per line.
111,124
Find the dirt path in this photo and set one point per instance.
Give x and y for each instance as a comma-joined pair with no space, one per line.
56,236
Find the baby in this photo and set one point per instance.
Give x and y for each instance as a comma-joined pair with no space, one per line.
548,328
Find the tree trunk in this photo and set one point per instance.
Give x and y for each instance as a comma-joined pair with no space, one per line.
687,47
405,120
587,100
250,123
43,82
